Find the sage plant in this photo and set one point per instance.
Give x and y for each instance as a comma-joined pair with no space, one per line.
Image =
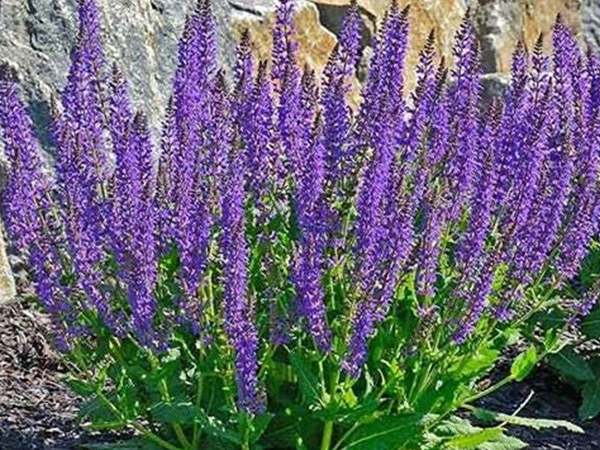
295,272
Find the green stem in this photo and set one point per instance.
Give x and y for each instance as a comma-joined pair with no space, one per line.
211,296
422,385
268,356
328,428
473,398
246,443
327,434
345,436
500,384
153,437
197,430
183,440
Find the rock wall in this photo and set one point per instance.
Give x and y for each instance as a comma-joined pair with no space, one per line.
141,36
590,16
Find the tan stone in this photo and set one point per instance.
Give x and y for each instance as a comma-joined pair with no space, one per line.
499,23
315,42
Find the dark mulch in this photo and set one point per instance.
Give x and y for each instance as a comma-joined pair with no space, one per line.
38,413
552,399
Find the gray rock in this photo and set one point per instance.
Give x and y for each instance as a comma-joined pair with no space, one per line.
36,36
590,17
495,85
497,22
141,36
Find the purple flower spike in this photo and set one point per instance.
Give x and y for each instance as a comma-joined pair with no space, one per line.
120,112
312,220
143,244
244,75
430,250
286,78
379,127
583,208
193,90
336,111
26,198
424,97
82,98
464,97
476,302
82,214
383,94
238,310
284,47
471,246
257,133
165,185
133,219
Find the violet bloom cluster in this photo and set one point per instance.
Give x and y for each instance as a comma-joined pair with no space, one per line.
337,114
191,209
27,202
312,219
278,196
238,310
78,130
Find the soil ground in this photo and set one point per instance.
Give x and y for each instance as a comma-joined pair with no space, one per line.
38,413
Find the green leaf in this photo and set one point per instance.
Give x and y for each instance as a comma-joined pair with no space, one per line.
537,424
80,387
500,276
571,364
387,433
478,364
591,325
504,442
287,427
187,413
454,426
349,415
589,270
550,317
475,439
553,341
590,407
439,396
299,444
307,380
212,443
100,416
524,364
359,412
184,413
214,427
